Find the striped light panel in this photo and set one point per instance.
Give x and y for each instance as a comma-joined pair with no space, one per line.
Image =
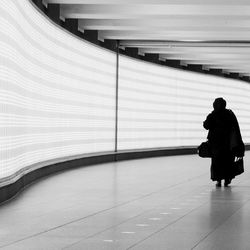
57,93
164,107
57,96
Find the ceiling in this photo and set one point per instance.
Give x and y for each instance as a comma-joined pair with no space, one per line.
214,33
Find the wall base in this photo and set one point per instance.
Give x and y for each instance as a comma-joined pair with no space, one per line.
13,185
16,184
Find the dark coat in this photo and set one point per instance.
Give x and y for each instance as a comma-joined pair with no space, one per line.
224,137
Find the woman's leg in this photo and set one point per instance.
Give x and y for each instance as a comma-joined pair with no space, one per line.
218,183
227,182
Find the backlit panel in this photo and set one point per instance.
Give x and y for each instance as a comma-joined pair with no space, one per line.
57,93
57,96
164,107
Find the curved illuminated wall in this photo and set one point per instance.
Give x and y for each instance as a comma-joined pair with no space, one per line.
58,96
165,107
57,93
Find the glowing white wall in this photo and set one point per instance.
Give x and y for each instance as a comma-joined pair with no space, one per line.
57,93
164,107
57,96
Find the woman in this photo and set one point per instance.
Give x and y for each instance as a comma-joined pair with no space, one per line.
225,140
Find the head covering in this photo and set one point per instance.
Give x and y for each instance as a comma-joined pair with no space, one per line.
219,104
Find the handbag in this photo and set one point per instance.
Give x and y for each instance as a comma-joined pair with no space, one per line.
238,166
236,144
204,150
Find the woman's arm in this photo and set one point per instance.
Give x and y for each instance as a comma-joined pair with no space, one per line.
208,123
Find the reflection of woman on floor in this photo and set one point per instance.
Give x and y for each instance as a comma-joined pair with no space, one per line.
225,140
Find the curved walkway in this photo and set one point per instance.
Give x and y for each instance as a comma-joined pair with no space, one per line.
154,204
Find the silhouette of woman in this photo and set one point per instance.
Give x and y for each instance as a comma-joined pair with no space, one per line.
225,139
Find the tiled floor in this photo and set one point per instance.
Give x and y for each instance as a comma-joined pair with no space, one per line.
150,204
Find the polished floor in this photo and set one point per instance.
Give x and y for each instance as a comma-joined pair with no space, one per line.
150,204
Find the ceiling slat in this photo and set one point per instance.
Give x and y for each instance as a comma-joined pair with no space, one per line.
153,9
166,23
214,33
188,50
158,2
176,35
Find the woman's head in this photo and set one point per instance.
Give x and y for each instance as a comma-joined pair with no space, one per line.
219,104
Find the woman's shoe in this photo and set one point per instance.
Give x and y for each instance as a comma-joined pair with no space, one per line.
218,184
227,182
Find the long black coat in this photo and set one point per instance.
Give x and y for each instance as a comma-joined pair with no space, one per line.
221,124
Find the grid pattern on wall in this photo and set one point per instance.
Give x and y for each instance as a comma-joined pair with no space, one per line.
58,96
57,93
165,107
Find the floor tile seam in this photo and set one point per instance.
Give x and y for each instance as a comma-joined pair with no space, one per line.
106,229
113,226
22,190
104,210
122,204
206,236
170,187
166,226
54,228
131,218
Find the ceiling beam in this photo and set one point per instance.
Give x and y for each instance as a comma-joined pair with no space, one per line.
185,44
198,50
190,31
190,56
231,69
228,69
176,35
165,24
136,10
149,28
220,65
162,2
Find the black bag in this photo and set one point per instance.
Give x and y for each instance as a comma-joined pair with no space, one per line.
238,166
204,150
236,144
239,151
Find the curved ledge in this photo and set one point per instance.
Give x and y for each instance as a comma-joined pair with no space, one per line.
11,186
